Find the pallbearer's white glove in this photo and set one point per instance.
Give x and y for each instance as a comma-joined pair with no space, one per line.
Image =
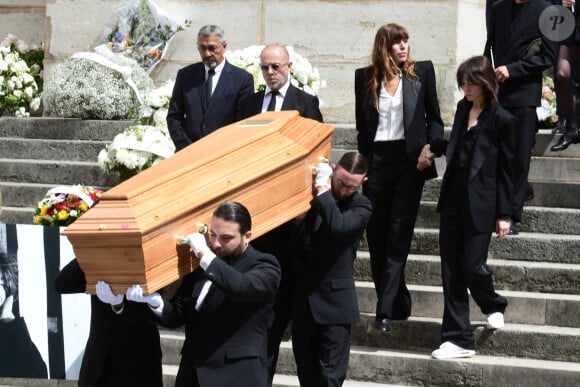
323,174
135,294
106,295
198,243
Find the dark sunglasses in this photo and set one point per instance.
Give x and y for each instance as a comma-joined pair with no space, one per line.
274,66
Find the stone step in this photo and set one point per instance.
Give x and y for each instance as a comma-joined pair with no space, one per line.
422,334
62,150
524,276
62,128
55,172
530,308
556,248
551,220
410,368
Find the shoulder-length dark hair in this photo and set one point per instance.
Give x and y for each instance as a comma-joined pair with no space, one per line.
478,70
382,63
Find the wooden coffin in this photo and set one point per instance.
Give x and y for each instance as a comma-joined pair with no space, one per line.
263,162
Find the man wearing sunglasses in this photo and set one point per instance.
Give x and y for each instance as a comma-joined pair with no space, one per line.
206,94
280,94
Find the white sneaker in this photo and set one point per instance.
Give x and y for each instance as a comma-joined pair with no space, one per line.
448,350
495,320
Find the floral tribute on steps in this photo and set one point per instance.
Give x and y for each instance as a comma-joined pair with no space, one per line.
64,204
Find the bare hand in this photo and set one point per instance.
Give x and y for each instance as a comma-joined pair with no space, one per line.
502,227
568,3
425,158
502,74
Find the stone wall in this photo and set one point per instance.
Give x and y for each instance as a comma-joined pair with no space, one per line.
336,36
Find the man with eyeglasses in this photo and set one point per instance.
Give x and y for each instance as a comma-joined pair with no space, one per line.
279,94
324,295
206,94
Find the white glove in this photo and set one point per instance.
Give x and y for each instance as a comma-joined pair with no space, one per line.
323,174
106,295
198,243
135,294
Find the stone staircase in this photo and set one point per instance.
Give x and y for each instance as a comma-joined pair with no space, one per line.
537,270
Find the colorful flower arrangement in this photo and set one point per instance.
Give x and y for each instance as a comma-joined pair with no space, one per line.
304,75
99,85
546,112
143,32
18,87
63,205
135,149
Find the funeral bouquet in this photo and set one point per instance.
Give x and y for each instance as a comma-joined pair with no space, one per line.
96,85
18,86
154,109
135,149
143,32
304,75
63,205
546,112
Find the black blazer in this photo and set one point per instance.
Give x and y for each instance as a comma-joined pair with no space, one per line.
509,41
490,186
329,241
188,119
122,349
421,114
225,342
295,99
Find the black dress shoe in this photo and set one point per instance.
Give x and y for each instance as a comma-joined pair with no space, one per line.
383,325
560,127
513,229
565,141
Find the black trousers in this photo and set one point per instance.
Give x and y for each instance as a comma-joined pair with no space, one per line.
463,264
394,188
321,351
526,127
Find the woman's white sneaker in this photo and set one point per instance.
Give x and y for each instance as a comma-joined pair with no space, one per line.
448,350
495,320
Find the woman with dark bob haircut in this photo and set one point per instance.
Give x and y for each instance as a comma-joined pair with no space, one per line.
397,113
476,199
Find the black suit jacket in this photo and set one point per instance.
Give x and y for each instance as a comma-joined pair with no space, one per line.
509,40
122,349
188,118
295,99
421,114
225,341
324,278
490,185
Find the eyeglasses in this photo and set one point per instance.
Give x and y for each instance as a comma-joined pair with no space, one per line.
350,188
210,48
274,66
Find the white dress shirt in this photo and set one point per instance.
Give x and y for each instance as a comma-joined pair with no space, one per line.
390,126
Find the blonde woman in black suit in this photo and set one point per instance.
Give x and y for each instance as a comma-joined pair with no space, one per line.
397,113
476,200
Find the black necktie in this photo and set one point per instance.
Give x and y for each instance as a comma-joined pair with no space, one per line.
209,84
272,104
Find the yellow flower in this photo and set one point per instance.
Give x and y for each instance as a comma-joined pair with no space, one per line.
43,211
83,207
62,215
37,219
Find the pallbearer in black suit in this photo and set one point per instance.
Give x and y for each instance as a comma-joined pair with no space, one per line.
279,94
324,295
476,200
280,242
397,113
226,305
206,94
